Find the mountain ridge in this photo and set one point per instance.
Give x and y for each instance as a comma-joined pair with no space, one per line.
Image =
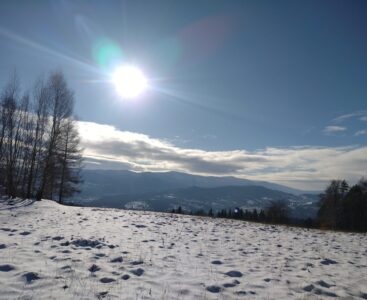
147,191
130,182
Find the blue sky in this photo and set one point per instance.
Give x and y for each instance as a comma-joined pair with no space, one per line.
224,76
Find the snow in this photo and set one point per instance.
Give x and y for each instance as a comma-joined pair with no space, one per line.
49,251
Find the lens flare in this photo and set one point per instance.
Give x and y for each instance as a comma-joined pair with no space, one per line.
129,81
107,53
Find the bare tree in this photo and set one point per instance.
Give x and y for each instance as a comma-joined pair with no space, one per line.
9,139
23,137
70,158
61,99
278,212
40,120
39,142
331,203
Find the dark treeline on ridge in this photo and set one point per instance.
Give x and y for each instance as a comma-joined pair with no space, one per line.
344,207
341,207
40,155
276,213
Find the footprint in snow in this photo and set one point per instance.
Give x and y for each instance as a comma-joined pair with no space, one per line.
125,277
102,295
213,288
5,229
324,293
107,280
94,268
6,268
138,272
67,269
324,284
328,261
231,284
30,277
117,259
140,226
25,233
2,246
100,254
240,293
234,274
309,288
216,262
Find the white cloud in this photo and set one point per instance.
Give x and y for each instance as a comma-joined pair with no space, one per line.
360,113
364,118
332,129
361,132
209,136
305,167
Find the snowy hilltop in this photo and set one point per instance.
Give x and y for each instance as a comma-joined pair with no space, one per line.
50,251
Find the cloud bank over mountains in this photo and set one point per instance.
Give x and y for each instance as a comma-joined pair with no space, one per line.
305,167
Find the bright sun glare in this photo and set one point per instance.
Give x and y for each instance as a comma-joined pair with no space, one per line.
129,81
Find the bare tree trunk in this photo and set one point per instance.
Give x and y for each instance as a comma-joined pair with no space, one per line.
62,104
40,95
64,162
10,107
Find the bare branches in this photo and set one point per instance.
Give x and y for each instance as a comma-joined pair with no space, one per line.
39,143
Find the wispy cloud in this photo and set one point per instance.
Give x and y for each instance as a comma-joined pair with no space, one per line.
361,113
209,136
303,167
361,132
332,129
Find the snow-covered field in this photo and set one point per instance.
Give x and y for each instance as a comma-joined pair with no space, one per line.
49,251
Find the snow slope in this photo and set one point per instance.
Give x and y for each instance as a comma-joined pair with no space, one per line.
49,251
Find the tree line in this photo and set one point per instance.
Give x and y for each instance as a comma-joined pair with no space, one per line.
40,156
341,207
277,213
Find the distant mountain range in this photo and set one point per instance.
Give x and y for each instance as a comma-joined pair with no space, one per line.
168,190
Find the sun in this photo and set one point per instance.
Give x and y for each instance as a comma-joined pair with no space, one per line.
129,81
